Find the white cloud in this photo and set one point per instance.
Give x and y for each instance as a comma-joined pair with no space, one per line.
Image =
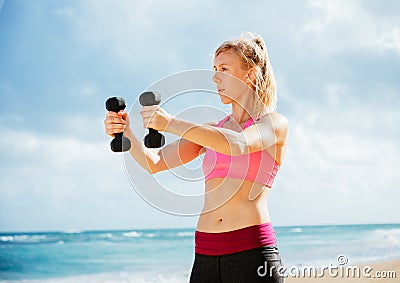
136,33
74,182
347,142
347,25
389,40
342,159
335,93
51,165
341,141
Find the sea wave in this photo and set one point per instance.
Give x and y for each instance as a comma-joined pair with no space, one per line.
72,231
121,277
131,234
185,234
6,238
106,235
24,238
296,230
384,237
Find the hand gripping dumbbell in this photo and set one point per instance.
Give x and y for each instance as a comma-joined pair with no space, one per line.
153,139
119,143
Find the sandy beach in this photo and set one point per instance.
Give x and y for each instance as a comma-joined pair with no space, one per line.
378,272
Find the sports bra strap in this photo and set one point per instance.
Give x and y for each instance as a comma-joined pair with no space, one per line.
247,124
220,123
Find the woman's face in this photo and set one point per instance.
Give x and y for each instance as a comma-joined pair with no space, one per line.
230,77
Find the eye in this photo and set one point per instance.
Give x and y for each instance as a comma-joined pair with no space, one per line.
223,69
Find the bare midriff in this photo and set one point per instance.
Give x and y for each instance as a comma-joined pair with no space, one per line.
232,204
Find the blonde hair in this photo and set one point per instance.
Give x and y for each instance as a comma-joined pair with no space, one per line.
252,51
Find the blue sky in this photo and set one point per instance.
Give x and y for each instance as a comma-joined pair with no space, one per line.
336,64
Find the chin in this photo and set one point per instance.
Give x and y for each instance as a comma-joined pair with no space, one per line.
224,99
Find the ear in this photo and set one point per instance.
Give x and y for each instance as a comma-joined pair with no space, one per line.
251,75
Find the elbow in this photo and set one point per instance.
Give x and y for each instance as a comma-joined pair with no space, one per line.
155,168
152,170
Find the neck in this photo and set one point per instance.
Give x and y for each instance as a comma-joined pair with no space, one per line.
239,113
244,110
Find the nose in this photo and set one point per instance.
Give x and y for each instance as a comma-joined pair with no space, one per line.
216,77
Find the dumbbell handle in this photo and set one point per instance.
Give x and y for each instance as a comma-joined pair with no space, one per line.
153,139
119,143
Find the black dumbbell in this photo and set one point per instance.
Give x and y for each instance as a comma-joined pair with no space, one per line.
119,143
153,139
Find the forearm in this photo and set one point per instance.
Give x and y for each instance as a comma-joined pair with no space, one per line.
147,158
219,139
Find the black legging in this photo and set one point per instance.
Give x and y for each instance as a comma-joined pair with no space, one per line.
250,266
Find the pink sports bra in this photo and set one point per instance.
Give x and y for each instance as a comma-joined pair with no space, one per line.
257,166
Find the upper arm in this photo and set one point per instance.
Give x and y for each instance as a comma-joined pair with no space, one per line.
268,131
179,152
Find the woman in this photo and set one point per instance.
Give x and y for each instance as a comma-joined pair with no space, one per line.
234,239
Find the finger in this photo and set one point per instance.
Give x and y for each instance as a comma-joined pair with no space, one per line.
119,117
150,109
146,114
146,108
112,129
112,114
123,114
115,128
114,120
110,133
119,120
147,123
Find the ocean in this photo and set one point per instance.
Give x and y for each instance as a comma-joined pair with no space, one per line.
166,255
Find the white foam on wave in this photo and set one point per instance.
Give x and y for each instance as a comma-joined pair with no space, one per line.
72,231
106,235
296,230
384,237
131,234
6,238
23,238
185,234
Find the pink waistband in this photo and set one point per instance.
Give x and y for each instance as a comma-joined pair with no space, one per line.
235,241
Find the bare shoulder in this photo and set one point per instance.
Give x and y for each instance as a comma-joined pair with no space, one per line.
275,119
279,120
278,124
281,127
